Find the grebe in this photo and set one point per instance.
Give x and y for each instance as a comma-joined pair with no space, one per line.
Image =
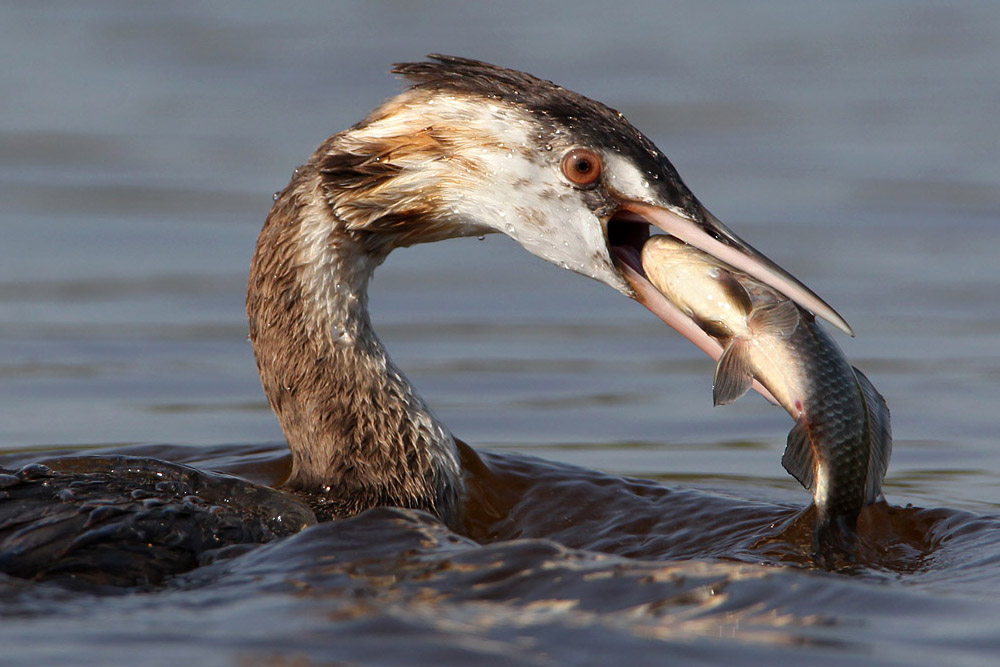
468,149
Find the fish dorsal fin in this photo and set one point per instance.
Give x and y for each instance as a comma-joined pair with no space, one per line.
799,459
733,373
879,434
776,319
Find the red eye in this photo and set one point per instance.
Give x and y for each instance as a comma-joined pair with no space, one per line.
582,167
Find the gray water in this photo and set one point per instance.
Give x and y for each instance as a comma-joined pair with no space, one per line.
855,144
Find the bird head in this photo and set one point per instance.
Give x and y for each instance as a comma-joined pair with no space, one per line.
471,148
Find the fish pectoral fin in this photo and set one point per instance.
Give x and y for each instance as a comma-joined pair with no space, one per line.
733,373
776,319
798,459
879,435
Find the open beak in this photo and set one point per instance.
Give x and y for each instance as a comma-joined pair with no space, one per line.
628,229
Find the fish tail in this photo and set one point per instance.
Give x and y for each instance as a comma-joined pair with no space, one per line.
836,534
878,433
835,540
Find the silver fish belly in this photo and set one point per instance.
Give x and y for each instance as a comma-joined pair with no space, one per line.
840,444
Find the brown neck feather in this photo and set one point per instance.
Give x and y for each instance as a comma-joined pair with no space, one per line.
359,434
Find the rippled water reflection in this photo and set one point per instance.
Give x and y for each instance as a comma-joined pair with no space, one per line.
555,564
855,145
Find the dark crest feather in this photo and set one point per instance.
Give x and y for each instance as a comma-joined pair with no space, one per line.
593,123
475,77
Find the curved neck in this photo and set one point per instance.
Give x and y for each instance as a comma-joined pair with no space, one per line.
358,432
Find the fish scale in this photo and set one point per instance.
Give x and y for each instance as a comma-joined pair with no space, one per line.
834,414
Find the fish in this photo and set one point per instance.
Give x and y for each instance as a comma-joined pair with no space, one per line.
841,442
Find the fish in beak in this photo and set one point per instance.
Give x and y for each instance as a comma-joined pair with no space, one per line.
631,225
840,445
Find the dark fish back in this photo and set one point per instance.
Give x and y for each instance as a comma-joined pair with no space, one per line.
837,429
